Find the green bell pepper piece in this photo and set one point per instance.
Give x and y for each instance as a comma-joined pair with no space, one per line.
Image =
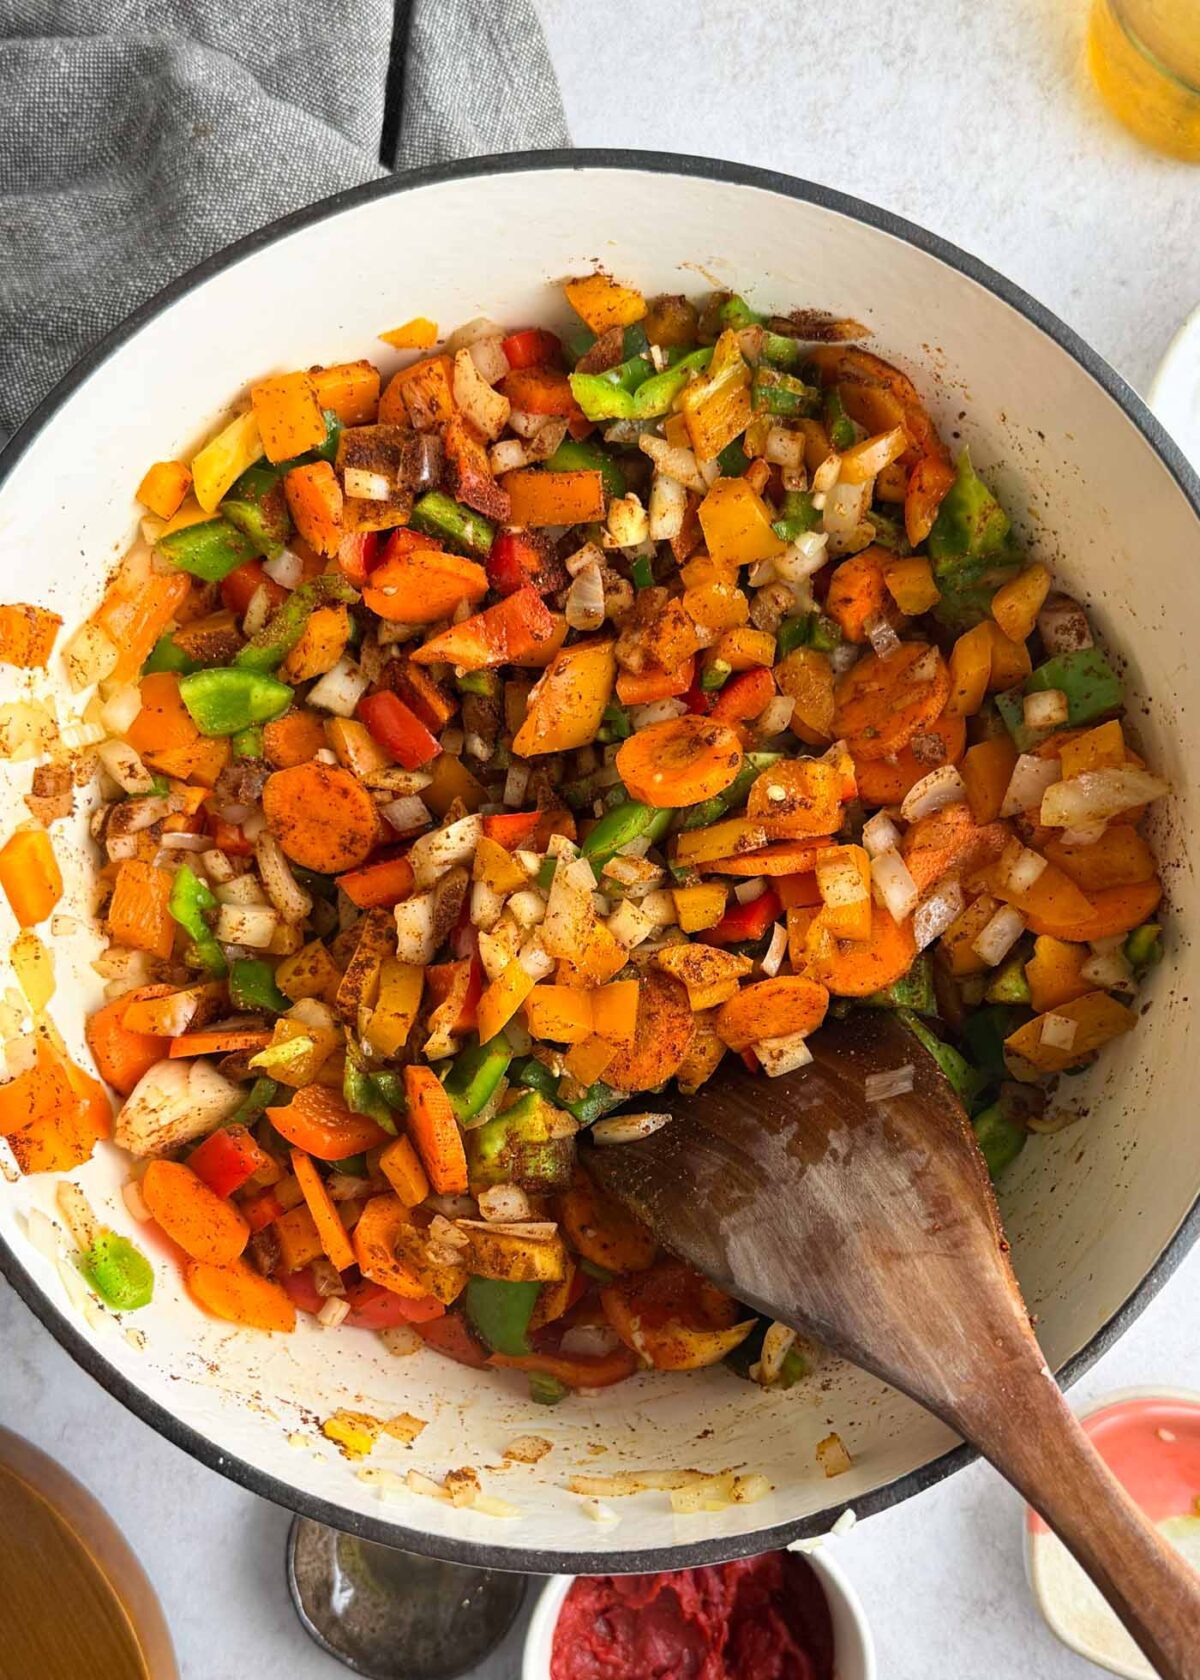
545,1390
545,874
209,550
521,1146
913,991
474,1075
534,1075
390,1086
1091,686
733,459
983,1035
190,902
714,677
226,699
486,683
599,1099
165,655
119,1273
641,570
837,422
609,395
708,811
889,532
248,743
966,1081
252,986
326,450
270,646
258,507
1000,1136
615,724
737,314
631,820
499,1312
1008,984
780,351
592,1270
577,340
657,395
773,392
797,516
459,527
826,633
634,341
574,456
259,1098
972,548
362,1093
1143,948
792,633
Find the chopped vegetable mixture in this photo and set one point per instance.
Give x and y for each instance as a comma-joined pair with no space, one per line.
486,753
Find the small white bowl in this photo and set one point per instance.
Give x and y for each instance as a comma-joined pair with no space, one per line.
854,1649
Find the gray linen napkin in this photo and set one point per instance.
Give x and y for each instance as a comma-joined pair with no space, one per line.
139,136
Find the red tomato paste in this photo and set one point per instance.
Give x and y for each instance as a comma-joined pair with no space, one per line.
762,1618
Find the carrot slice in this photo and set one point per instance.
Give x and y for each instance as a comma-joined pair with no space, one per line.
239,1294
880,704
951,840
204,1225
858,967
318,1121
1114,910
138,913
294,738
788,857
681,762
330,1229
435,1131
386,883
790,1003
602,1230
322,817
885,781
218,1043
399,1165
661,1038
858,593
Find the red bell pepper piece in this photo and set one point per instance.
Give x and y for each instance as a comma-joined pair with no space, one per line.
358,555
262,1210
237,590
744,696
228,837
452,1336
699,699
372,1307
380,883
303,1290
751,1061
398,730
532,347
443,979
403,541
742,922
510,631
227,1159
516,560
575,1372
530,829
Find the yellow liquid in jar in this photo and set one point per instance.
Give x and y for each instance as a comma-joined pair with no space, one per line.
1145,57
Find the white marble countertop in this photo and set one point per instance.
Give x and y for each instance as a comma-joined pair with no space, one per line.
978,122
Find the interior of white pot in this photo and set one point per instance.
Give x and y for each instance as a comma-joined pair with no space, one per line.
1089,1211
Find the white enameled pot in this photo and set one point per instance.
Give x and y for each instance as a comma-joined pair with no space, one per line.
1097,1214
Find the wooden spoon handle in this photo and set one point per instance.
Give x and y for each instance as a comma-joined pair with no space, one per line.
1025,1428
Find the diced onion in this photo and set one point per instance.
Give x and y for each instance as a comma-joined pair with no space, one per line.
487,352
840,881
882,636
282,888
935,913
1048,709
629,924
534,958
526,425
487,410
1019,867
505,1201
1108,971
775,715
415,929
656,711
627,521
589,1341
340,689
135,1202
1098,795
333,1311
1057,1032
287,569
668,505
784,448
802,558
782,1055
364,485
89,655
258,610
673,461
120,709
892,1082
515,783
125,767
443,848
407,814
747,891
772,960
941,787
880,835
825,476
247,924
894,884
487,905
998,935
585,600
528,907
832,1456
1062,625
588,555
1029,781
627,1128
507,456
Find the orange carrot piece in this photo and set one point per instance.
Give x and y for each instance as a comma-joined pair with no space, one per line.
163,488
30,875
541,391
384,1222
330,1229
318,1121
680,762
603,1230
663,1034
554,498
240,1295
164,722
205,1226
885,781
201,762
639,688
614,1010
790,1003
294,738
511,632
1114,910
787,857
422,395
136,609
122,1056
401,1166
858,593
323,818
856,968
744,696
948,841
562,1014
797,798
423,585
27,636
880,704
137,913
435,1132
418,334
350,389
315,500
219,1043
928,483
378,883
289,415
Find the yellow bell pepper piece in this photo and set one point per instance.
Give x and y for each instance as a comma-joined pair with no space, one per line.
567,702
1016,604
1102,748
418,334
699,907
165,485
502,999
737,524
225,458
289,415
910,584
970,671
1055,973
718,408
602,303
1097,1018
562,1014
396,1006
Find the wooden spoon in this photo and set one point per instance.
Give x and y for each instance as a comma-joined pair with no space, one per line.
872,1226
